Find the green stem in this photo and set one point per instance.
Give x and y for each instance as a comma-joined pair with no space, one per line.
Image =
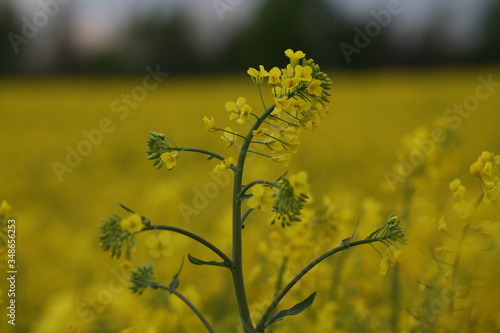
197,238
233,133
303,272
201,151
238,279
183,298
257,153
456,264
261,97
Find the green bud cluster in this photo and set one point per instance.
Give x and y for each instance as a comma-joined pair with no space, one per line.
391,234
288,206
157,145
141,278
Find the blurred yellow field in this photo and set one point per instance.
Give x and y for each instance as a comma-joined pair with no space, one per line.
73,149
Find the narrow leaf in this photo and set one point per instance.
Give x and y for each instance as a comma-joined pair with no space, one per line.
126,208
294,310
197,261
175,280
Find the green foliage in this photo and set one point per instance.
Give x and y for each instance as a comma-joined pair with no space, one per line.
141,278
112,236
295,310
175,280
288,205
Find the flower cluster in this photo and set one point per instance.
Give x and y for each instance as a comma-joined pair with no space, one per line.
300,93
487,169
286,198
392,236
113,236
161,152
117,232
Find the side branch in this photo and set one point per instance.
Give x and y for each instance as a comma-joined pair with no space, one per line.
197,238
303,272
183,298
201,151
249,185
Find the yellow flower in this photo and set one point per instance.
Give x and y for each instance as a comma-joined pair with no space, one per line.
229,136
488,169
125,264
303,73
210,125
485,156
261,197
283,159
476,168
132,224
257,76
234,108
455,184
294,56
246,110
299,183
274,76
300,105
441,225
396,252
315,88
260,133
289,71
280,104
290,83
290,133
159,244
460,192
5,207
272,142
239,110
293,146
291,138
313,122
224,165
386,262
169,159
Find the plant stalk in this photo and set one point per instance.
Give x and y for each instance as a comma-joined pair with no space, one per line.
238,278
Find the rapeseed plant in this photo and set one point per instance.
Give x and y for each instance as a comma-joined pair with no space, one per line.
300,94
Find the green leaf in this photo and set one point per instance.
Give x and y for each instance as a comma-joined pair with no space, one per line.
197,261
175,280
294,310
